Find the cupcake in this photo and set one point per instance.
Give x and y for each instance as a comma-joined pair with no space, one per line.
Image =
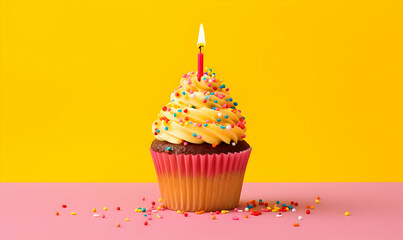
200,153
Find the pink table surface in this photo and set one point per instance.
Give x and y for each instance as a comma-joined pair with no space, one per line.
27,211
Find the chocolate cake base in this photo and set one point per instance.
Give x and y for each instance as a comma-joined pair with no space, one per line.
204,148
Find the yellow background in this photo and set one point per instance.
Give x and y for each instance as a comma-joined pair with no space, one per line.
320,84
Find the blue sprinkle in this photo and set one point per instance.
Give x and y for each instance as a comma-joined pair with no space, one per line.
213,108
174,114
212,93
190,122
290,207
222,127
194,135
284,205
215,101
173,100
206,97
218,119
158,131
226,116
180,110
169,148
210,70
260,200
233,107
277,202
194,107
230,99
145,215
222,86
205,124
143,209
204,78
166,128
235,103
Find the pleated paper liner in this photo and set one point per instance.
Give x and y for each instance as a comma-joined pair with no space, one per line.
207,182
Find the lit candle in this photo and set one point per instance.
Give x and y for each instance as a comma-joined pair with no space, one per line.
201,42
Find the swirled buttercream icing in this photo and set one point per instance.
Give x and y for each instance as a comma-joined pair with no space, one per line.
200,112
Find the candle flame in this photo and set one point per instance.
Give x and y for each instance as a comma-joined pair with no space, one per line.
201,42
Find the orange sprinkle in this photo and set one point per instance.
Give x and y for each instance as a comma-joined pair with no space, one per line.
213,217
307,206
57,213
318,197
246,216
296,224
214,145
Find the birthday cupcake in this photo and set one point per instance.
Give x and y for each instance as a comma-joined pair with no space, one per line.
199,153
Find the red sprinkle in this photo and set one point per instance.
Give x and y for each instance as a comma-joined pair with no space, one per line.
177,94
218,212
164,108
118,208
185,111
64,206
308,212
292,202
185,214
152,203
146,223
296,203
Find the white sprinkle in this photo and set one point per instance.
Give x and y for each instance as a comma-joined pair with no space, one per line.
240,210
192,95
210,81
279,216
154,211
300,218
246,209
229,127
293,210
96,215
233,143
219,114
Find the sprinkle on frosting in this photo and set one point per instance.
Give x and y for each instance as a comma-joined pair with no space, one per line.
200,112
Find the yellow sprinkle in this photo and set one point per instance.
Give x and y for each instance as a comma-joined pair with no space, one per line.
73,213
268,208
179,211
127,219
347,213
158,208
317,201
105,208
287,208
94,210
311,207
274,210
160,199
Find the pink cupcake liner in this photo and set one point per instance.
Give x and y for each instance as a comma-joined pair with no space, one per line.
200,182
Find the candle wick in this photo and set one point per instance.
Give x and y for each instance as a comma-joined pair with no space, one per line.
200,48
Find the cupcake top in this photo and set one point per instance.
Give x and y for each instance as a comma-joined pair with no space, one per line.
200,112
